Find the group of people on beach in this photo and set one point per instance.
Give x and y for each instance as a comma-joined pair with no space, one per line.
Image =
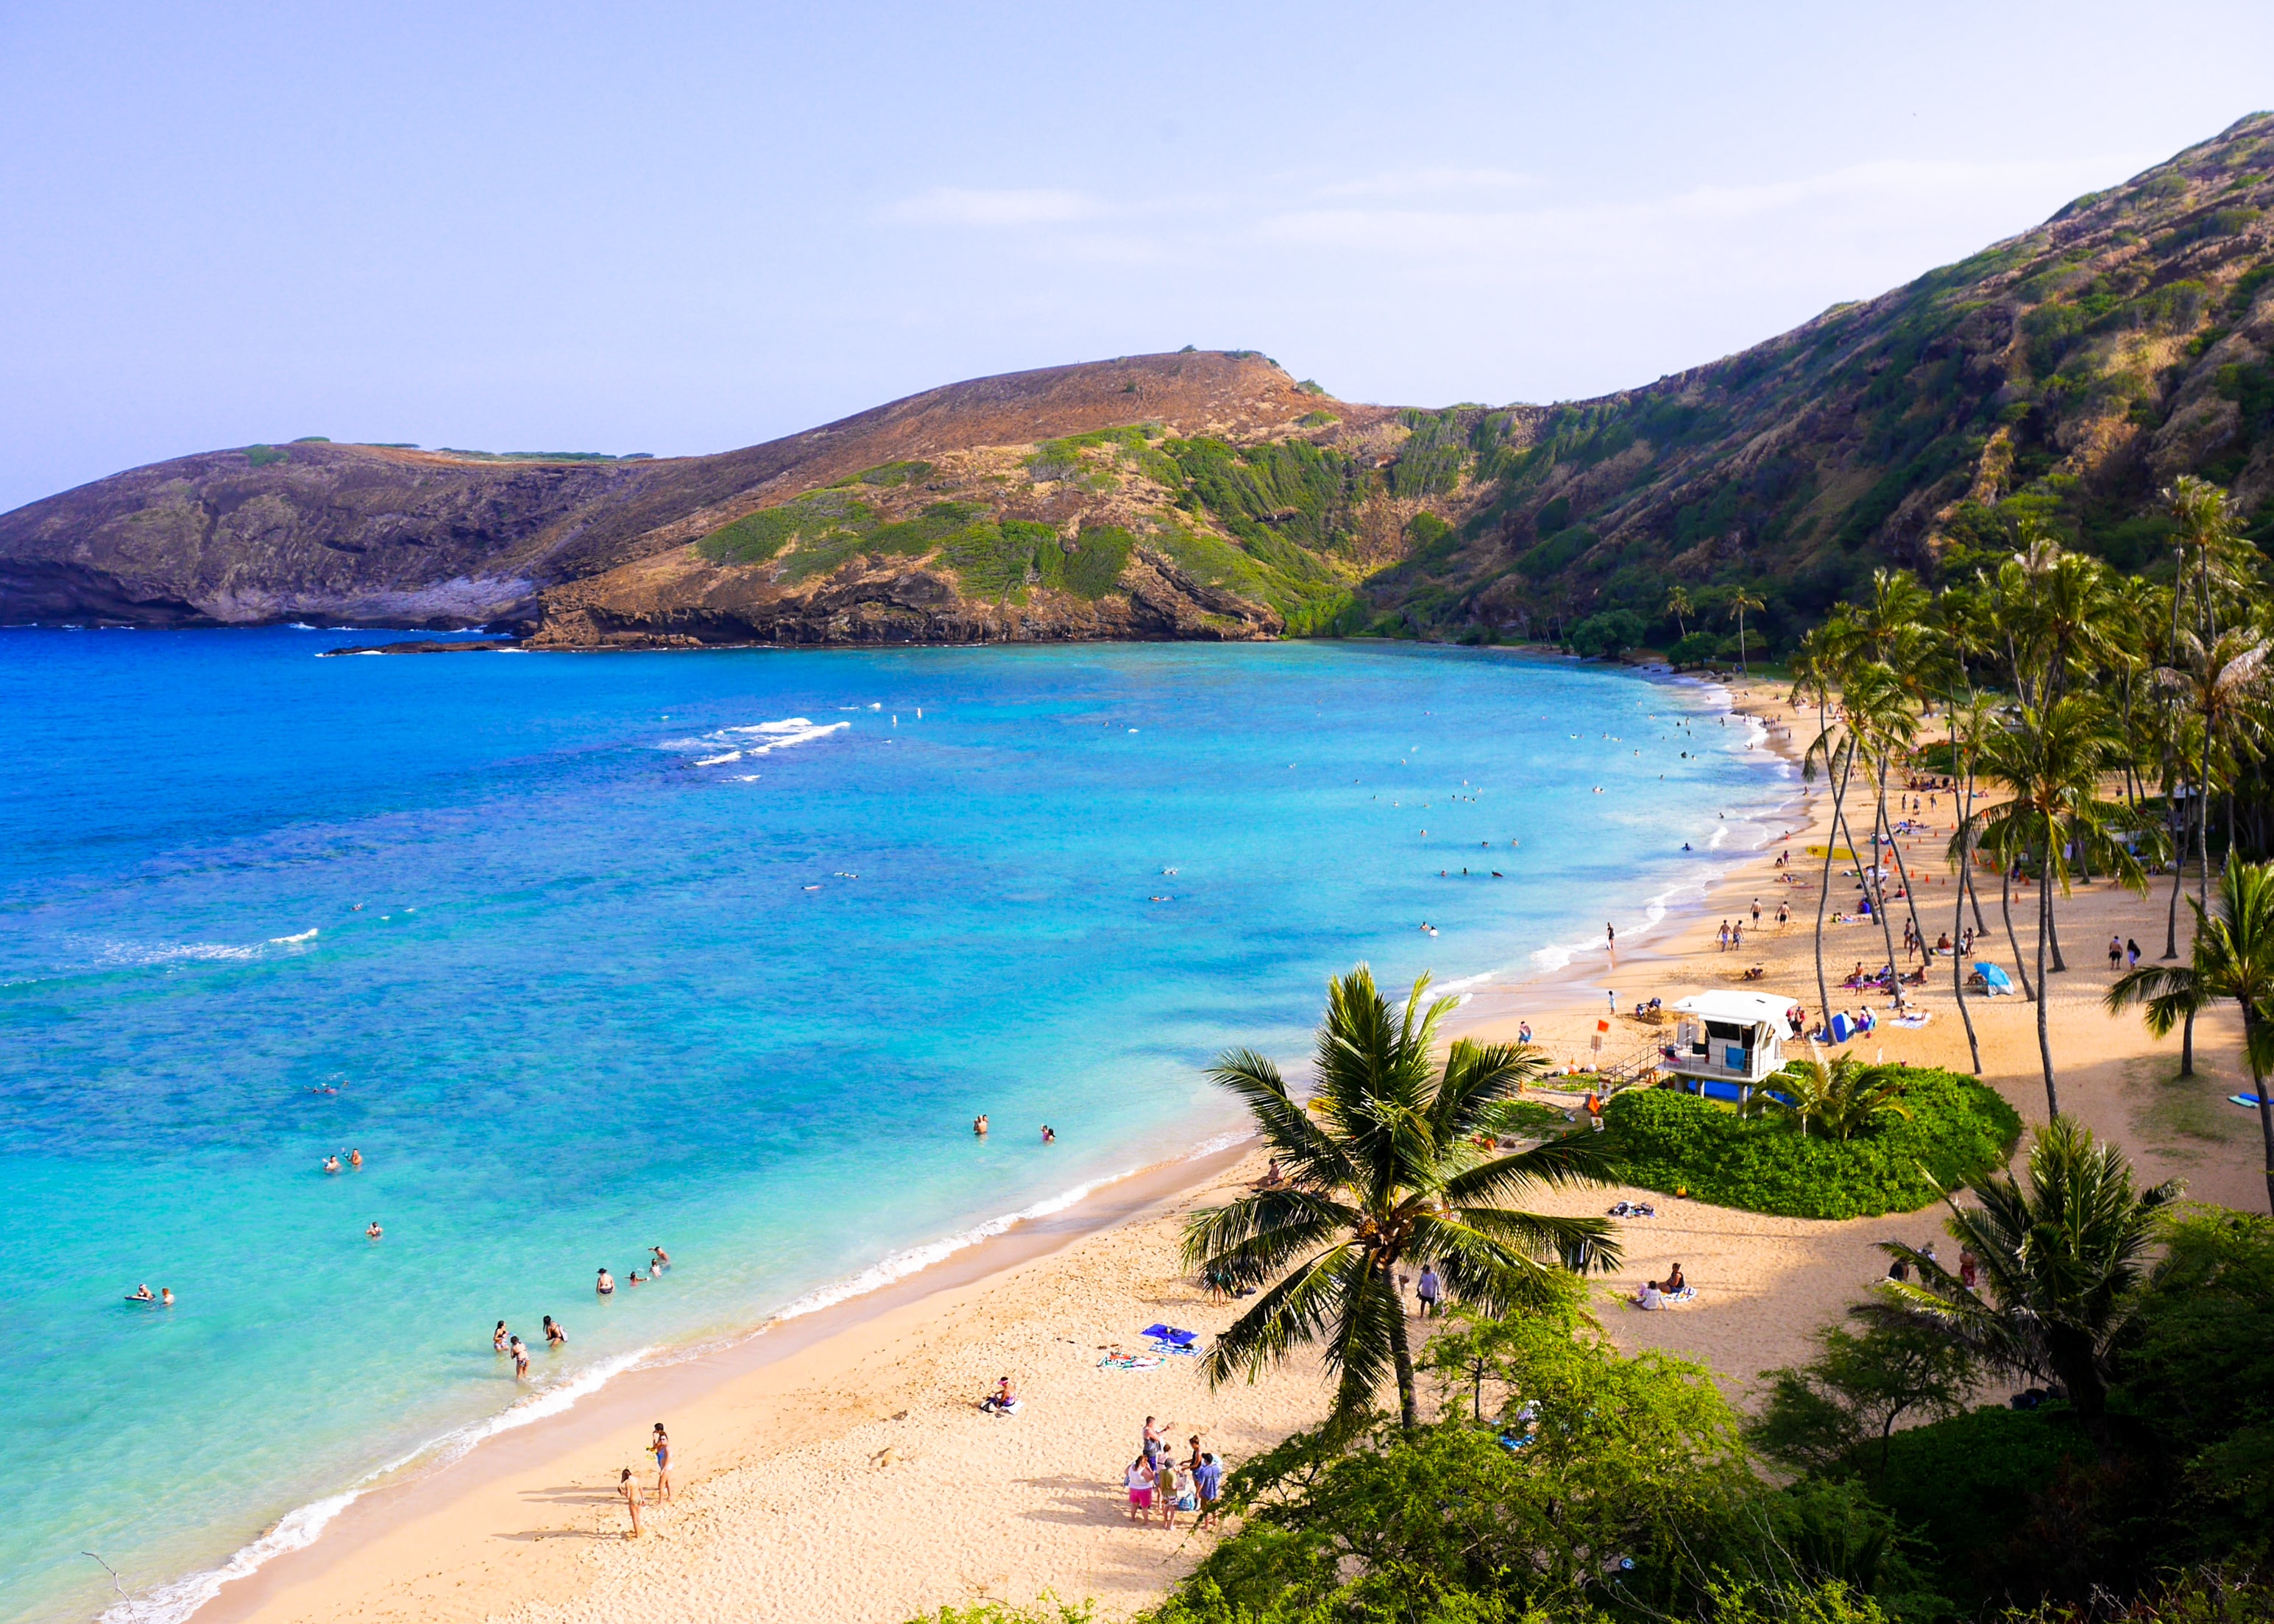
1157,1481
628,1486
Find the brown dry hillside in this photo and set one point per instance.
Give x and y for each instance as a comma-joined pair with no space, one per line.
400,536
2063,377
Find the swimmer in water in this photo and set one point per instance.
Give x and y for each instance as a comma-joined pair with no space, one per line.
658,1260
498,1337
331,1164
141,1294
979,1124
372,1232
355,1158
638,1278
554,1336
165,1296
606,1285
1048,1137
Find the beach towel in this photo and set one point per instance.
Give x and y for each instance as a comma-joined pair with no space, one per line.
1916,1017
1682,1295
2249,1100
1130,1361
1171,1334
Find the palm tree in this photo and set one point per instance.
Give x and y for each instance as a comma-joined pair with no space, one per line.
2233,958
1678,605
2052,759
1835,1099
2063,1258
1383,1170
1739,602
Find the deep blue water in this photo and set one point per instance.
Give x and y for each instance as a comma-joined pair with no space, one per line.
591,969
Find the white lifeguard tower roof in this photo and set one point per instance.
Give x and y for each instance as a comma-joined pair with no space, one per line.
1744,1009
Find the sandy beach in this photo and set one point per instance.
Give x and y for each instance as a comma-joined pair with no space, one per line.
840,1468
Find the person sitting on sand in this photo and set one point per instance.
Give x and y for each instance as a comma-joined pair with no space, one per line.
1272,1177
1002,1400
606,1285
1649,1296
1674,1284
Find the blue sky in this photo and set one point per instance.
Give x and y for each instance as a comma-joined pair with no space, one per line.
683,227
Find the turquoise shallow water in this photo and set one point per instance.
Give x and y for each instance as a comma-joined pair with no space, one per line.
598,952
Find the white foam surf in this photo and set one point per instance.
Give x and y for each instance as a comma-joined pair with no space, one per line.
723,746
296,1529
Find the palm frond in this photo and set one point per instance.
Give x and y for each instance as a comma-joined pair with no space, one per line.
1295,1310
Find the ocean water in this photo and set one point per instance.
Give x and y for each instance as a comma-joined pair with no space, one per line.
718,951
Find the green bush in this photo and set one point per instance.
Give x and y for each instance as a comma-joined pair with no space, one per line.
1957,1128
1612,633
1097,563
261,456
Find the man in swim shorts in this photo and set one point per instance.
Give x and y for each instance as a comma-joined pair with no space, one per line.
606,1285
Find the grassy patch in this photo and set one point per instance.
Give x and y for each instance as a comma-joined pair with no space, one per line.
818,521
1095,564
887,476
1956,1129
261,456
1316,419
1000,562
2168,1107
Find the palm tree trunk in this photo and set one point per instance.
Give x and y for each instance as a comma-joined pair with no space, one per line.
2049,928
2179,885
1409,1417
1879,896
2265,1109
1823,898
2006,905
2044,1037
1957,958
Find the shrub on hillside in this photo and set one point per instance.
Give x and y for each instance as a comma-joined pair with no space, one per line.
1956,1128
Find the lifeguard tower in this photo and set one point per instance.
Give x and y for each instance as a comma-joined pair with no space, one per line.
1728,1043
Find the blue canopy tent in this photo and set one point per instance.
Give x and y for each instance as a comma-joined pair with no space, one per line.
1994,981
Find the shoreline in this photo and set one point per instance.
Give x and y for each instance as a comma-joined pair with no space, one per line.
336,1528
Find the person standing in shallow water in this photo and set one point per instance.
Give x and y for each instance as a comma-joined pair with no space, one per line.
606,1285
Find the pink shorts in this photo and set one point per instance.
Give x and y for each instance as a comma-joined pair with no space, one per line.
1141,1498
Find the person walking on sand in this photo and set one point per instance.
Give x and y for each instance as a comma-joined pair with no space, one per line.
626,1486
1428,1288
659,1447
